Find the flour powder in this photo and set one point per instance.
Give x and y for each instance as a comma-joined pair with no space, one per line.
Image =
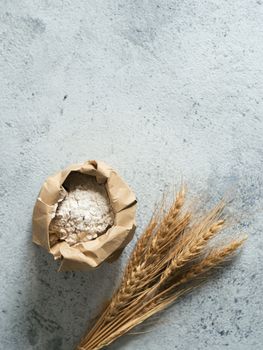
84,214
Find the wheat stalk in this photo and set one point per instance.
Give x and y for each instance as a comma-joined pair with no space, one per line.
170,257
213,259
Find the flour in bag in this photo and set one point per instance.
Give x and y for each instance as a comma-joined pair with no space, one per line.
84,214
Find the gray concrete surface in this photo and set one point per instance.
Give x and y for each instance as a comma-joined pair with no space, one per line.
161,90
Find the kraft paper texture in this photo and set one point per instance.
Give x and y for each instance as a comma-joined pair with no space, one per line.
107,247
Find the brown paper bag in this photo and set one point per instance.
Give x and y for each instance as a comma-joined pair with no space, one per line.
107,247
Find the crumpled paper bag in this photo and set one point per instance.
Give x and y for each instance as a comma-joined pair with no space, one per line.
107,247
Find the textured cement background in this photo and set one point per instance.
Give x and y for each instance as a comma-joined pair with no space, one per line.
161,90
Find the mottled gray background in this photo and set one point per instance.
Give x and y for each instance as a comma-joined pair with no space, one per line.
161,90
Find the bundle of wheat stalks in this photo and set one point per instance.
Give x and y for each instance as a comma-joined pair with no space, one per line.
172,254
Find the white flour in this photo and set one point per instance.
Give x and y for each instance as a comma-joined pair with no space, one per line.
84,213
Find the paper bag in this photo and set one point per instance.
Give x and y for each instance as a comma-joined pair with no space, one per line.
107,247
